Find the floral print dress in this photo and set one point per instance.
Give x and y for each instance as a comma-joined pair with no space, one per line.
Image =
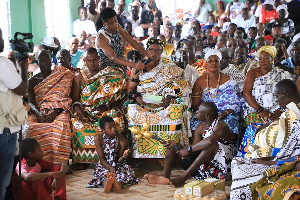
123,174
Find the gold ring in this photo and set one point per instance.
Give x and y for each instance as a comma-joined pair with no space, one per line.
265,118
75,113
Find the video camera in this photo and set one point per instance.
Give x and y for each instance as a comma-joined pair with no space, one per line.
20,46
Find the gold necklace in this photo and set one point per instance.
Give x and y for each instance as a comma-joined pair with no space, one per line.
214,96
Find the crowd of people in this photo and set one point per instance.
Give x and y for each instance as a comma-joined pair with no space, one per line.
220,87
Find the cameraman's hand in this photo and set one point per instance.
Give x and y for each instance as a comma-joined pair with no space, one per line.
23,64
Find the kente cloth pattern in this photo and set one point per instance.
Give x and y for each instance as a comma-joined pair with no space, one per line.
244,172
219,167
263,90
108,85
115,42
123,174
276,134
228,97
169,48
172,122
277,181
55,138
236,75
200,65
246,67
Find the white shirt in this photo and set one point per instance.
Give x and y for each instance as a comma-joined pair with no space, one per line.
258,12
191,74
246,24
88,26
9,79
203,15
134,23
235,7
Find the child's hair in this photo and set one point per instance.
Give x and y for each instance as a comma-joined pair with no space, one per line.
28,145
105,120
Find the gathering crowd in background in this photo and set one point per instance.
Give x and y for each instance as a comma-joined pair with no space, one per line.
221,87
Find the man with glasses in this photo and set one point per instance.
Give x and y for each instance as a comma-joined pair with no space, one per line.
168,116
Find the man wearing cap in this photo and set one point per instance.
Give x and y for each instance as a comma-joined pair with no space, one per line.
83,24
244,20
134,17
201,11
277,29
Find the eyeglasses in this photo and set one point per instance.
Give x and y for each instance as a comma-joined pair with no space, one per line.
155,50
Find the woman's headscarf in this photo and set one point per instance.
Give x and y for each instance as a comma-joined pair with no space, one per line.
284,7
213,52
155,41
271,50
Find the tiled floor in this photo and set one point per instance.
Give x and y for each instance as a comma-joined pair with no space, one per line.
77,181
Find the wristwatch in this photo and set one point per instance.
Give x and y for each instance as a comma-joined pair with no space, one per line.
189,149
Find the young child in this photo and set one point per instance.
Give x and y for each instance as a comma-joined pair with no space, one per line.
40,177
111,148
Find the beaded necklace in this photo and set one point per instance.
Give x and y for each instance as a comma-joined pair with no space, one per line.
213,96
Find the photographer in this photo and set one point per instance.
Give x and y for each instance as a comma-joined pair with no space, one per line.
12,88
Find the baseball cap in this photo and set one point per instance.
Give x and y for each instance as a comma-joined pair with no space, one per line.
277,24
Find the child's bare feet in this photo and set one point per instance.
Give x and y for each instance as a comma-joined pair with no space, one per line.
157,179
109,182
117,186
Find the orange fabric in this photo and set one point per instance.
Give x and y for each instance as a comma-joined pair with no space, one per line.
267,16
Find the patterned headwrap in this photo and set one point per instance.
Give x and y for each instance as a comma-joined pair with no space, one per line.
155,41
213,52
271,50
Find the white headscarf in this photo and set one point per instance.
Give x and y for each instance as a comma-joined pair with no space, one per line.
213,52
284,7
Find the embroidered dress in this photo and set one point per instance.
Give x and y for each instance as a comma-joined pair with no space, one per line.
53,93
115,42
123,174
244,172
108,85
219,167
228,97
171,122
263,92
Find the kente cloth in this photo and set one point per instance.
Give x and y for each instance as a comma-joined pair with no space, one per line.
275,135
108,85
277,181
219,166
52,93
115,42
246,67
236,75
170,123
263,91
169,48
200,65
123,174
244,172
228,97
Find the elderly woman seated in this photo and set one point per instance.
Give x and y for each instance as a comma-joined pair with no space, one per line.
168,118
262,106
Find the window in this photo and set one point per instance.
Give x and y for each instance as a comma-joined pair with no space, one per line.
5,23
58,19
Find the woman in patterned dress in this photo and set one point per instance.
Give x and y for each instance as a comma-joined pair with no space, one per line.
220,89
110,46
111,148
262,106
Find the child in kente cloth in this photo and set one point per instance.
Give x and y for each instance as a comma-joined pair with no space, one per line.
111,148
39,177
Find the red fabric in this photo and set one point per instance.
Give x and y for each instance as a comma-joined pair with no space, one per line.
40,190
267,16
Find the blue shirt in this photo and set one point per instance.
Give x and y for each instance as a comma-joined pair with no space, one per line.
288,62
76,57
